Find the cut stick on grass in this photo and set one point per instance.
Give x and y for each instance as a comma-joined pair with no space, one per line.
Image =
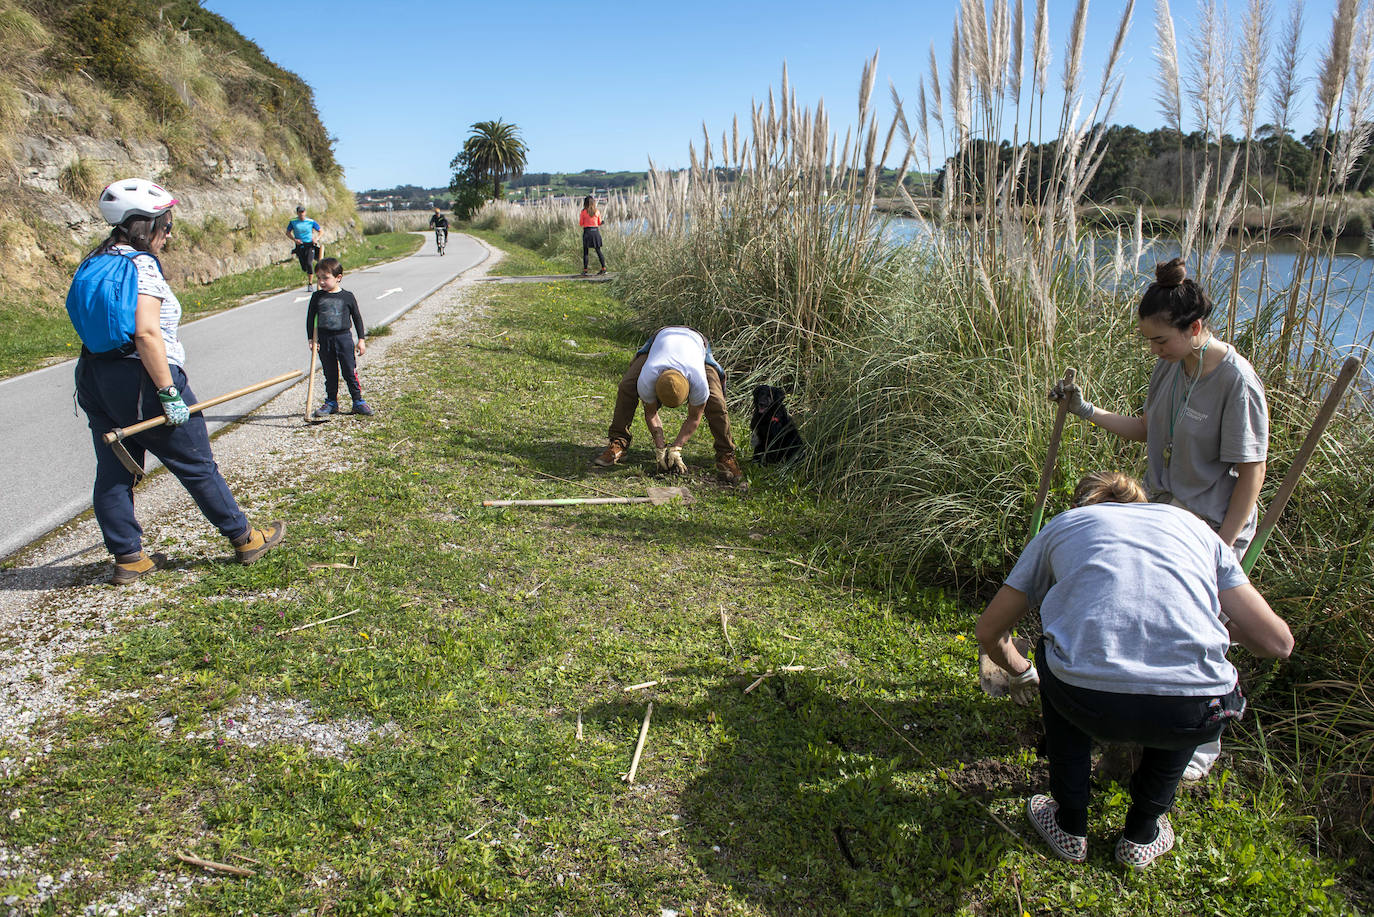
476,831
783,668
639,746
804,566
216,867
642,684
239,856
595,490
352,566
730,547
579,725
292,630
725,629
396,445
535,591
783,633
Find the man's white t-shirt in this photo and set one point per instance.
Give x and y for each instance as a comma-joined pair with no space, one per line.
681,349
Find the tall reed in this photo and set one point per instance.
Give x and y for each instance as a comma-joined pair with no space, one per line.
919,371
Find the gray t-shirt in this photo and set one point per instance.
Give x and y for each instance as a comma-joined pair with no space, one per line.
1129,599
1213,424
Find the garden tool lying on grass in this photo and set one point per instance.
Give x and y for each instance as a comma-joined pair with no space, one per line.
115,438
656,495
991,676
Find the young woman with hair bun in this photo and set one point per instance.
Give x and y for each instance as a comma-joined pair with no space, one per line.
1205,423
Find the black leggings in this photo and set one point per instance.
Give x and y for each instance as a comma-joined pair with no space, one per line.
308,253
1168,728
591,238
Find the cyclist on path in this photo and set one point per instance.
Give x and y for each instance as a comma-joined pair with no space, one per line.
439,223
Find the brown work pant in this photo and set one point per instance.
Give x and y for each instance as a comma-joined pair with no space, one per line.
627,400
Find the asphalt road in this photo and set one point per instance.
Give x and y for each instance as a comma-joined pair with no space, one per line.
48,469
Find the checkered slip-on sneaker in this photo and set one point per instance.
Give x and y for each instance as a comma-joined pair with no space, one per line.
1138,856
1041,809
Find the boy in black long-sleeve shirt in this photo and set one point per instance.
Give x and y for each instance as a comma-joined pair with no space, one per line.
332,310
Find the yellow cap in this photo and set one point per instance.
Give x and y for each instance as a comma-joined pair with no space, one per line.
671,388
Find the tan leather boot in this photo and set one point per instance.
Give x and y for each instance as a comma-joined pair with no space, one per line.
131,567
256,542
728,471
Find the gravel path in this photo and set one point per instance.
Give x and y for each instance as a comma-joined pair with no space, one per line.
55,600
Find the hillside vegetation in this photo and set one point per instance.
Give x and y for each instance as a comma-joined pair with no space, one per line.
91,92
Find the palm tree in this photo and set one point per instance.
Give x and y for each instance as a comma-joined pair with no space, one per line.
494,150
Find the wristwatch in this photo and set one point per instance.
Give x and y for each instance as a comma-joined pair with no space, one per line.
168,392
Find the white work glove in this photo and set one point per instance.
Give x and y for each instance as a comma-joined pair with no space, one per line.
674,461
661,458
1025,687
1073,399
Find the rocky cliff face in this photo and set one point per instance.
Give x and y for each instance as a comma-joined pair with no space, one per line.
246,191
180,98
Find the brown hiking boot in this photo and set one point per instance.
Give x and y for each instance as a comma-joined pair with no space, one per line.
727,470
612,455
256,542
131,567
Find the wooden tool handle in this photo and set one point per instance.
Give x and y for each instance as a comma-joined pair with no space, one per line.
1051,456
1290,480
568,501
116,435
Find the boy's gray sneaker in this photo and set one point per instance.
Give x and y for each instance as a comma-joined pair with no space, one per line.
329,407
361,407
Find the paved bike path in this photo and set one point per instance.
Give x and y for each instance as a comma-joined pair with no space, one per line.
48,467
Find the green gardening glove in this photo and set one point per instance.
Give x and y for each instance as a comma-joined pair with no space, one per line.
172,405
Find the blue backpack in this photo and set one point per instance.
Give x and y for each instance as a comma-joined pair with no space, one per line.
102,301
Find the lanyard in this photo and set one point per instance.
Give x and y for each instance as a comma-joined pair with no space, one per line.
1173,391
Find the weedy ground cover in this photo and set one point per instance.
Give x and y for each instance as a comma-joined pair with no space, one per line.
496,647
33,337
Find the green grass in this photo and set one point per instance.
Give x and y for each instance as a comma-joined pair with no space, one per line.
485,635
31,337
522,261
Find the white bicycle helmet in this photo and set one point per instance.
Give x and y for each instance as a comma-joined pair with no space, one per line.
133,197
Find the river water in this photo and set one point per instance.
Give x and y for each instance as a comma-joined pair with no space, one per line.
1349,314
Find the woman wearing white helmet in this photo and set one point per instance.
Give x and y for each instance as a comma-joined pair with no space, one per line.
144,377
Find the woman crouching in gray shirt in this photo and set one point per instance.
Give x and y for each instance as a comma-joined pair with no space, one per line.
1131,597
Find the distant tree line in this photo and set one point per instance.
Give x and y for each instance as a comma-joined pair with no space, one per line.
1163,167
586,179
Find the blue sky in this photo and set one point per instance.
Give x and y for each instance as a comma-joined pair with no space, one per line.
608,85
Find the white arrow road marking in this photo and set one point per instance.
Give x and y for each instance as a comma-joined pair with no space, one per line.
389,292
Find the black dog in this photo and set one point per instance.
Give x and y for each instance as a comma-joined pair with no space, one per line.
772,431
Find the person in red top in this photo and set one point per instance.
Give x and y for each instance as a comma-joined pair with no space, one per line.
590,221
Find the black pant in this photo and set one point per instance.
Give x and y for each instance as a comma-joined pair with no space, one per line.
307,253
119,393
336,352
1169,729
591,238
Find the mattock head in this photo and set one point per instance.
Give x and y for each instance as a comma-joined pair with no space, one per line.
125,458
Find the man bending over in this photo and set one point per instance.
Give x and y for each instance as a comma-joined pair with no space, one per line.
673,367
